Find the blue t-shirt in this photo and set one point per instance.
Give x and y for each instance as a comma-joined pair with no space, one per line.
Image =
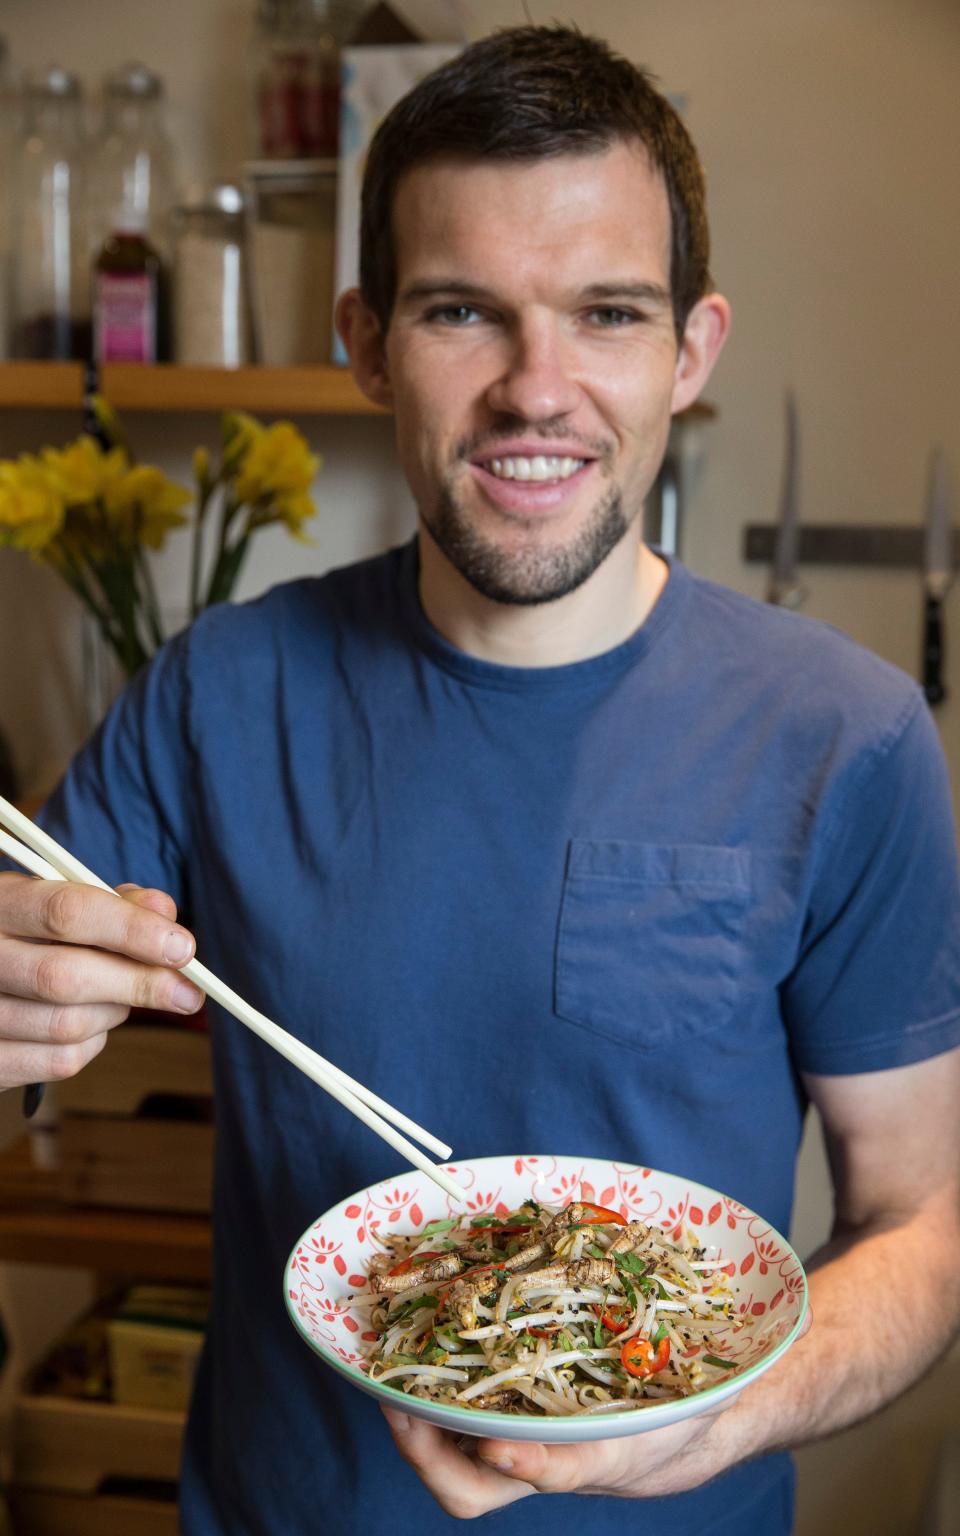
611,908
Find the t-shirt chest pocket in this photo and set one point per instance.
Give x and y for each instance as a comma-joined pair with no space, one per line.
650,943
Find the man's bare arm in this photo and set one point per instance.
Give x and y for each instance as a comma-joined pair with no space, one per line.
885,1288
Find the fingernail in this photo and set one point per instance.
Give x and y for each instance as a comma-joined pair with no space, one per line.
399,1422
186,999
502,1461
177,948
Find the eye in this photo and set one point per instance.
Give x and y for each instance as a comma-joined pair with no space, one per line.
453,314
610,318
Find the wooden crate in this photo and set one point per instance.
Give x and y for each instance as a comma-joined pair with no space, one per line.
139,1060
65,1445
79,1514
113,1151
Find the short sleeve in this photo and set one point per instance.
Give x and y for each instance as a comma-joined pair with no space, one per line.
877,984
123,806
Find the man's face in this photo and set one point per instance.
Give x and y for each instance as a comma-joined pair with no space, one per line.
531,357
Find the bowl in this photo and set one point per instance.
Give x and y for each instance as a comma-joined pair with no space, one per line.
328,1264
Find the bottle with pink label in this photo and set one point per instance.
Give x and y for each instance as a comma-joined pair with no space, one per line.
128,295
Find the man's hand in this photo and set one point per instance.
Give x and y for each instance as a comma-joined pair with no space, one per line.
471,1477
73,961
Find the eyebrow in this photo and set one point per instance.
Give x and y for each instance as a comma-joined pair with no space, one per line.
642,292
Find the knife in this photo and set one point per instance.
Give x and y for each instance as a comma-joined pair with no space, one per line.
938,575
784,590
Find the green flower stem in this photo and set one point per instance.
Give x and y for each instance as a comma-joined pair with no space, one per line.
205,490
117,580
74,577
226,571
151,604
227,562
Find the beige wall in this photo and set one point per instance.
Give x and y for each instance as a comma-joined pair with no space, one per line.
829,131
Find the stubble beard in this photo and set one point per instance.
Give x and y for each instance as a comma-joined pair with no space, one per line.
537,573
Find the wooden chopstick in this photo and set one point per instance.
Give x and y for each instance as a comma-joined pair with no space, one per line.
44,857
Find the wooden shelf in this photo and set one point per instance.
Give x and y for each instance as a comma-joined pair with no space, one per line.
38,1228
165,387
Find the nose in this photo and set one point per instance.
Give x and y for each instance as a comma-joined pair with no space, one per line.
536,381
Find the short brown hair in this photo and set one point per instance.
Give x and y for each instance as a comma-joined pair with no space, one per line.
525,93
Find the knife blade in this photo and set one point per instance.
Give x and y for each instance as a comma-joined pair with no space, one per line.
784,590
938,575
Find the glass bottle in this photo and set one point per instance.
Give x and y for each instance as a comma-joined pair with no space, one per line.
128,294
51,288
133,162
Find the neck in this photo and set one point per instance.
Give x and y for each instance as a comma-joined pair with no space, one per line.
602,613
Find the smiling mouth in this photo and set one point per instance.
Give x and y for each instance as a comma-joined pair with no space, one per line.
538,467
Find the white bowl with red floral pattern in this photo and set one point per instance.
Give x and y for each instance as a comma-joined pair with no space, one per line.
327,1269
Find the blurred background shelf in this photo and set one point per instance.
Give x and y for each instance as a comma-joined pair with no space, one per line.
167,387
36,1227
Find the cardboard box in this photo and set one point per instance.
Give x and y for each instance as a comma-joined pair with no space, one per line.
136,1125
154,1340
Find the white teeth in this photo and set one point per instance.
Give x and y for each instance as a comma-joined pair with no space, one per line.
540,467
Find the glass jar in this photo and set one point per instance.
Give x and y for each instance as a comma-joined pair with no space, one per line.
51,283
292,234
133,162
211,307
297,76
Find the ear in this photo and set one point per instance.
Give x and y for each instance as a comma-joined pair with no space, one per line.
708,325
359,330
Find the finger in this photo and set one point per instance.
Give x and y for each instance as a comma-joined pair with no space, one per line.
20,1064
153,900
462,1486
68,974
82,914
549,1468
55,1023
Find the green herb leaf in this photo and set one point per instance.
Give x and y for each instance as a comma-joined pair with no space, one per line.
409,1307
660,1334
728,1365
440,1226
631,1293
630,1262
434,1354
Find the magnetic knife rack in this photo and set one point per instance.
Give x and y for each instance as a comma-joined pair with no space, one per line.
889,544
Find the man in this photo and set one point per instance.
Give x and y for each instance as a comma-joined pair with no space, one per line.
563,848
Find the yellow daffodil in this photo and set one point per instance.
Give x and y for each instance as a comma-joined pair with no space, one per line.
292,511
31,510
143,506
91,513
239,433
82,471
277,464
